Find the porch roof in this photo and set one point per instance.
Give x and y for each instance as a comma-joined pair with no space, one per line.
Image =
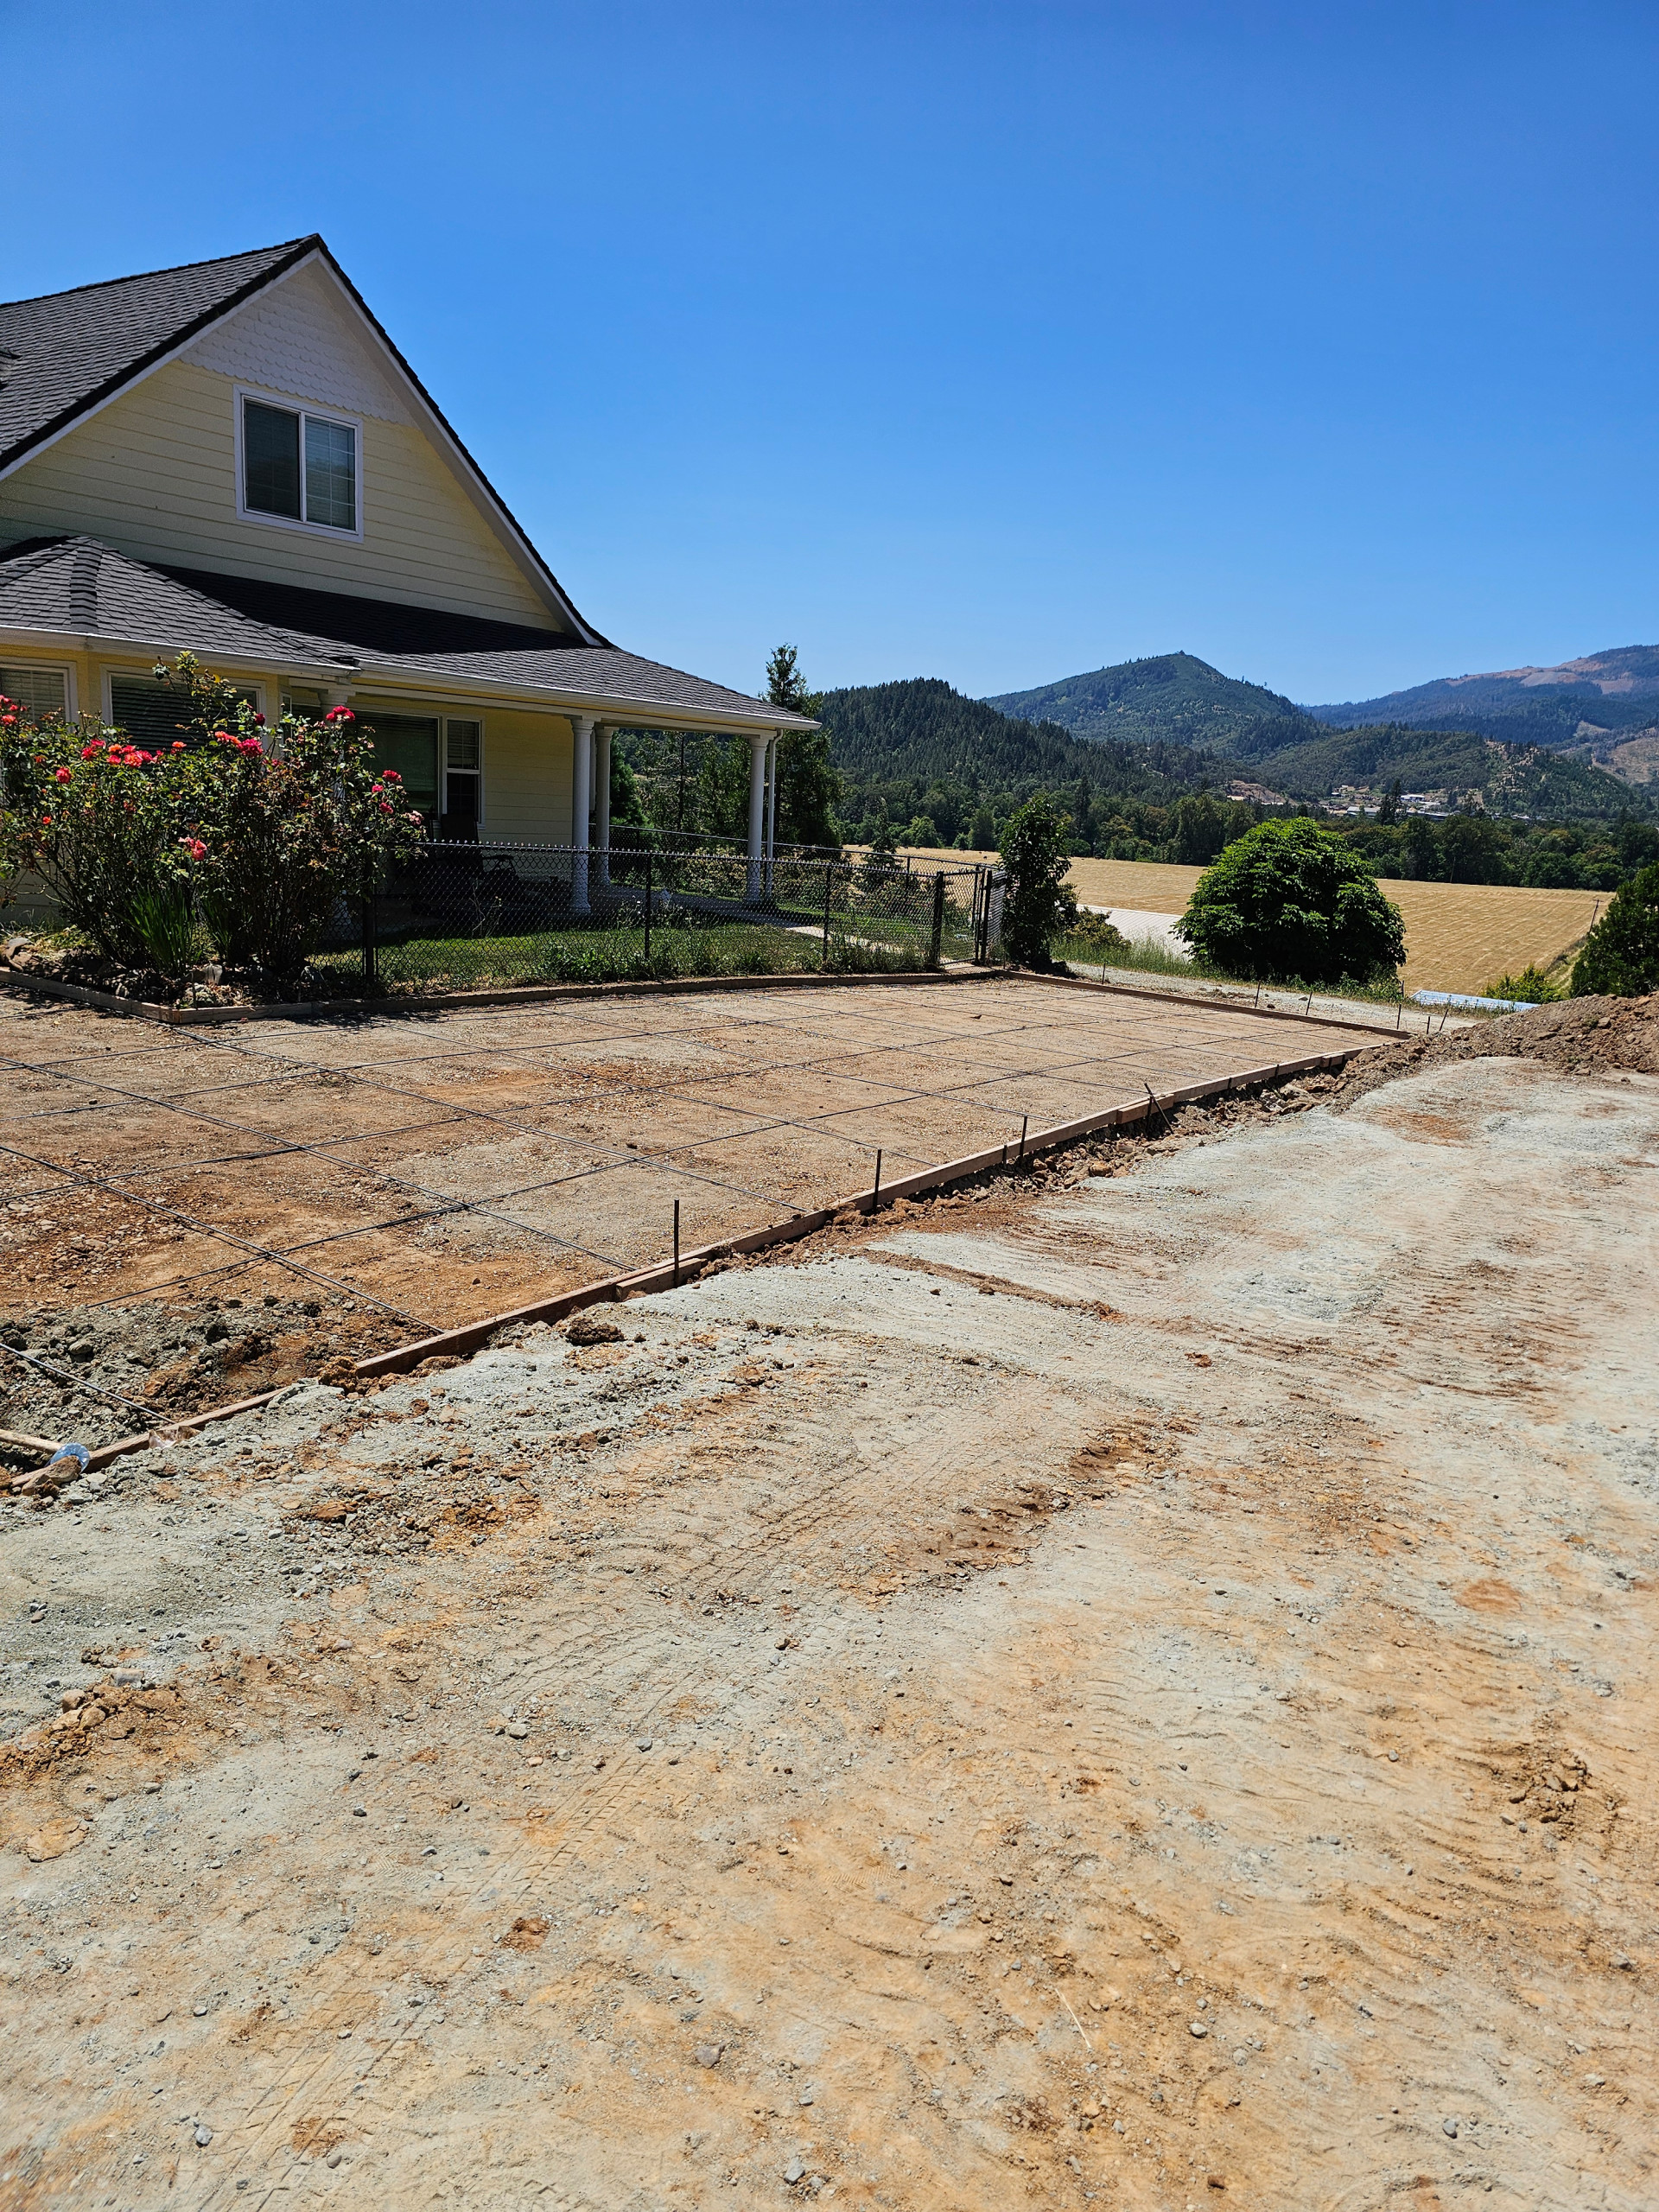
79,593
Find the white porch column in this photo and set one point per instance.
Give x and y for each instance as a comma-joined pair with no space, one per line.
771,806
582,732
602,737
759,740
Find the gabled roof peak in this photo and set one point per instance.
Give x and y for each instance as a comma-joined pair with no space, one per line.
65,354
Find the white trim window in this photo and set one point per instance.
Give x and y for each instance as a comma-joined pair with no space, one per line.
298,467
462,819
45,695
148,712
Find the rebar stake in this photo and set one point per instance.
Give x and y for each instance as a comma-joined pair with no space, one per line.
875,1195
676,1244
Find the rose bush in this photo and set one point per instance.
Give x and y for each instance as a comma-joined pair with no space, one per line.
88,815
255,836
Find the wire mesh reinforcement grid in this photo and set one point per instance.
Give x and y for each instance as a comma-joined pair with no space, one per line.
469,916
448,1165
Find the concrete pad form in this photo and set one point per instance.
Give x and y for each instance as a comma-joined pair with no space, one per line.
443,1168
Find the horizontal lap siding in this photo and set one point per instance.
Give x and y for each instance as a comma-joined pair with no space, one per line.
527,790
155,475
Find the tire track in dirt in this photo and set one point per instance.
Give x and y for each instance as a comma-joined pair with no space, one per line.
783,1546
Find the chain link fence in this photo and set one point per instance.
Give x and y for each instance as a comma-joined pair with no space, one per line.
463,917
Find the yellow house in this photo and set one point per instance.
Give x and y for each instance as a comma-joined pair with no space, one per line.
233,457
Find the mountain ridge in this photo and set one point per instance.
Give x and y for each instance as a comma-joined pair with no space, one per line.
1593,706
1517,743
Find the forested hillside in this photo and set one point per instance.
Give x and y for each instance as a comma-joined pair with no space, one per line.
1511,778
918,753
1169,695
1257,734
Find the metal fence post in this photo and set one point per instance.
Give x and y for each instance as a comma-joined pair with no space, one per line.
648,861
369,975
936,935
828,892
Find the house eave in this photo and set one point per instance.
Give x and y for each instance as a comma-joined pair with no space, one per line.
100,642
610,707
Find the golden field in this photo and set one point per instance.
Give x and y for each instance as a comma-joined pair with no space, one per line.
1459,937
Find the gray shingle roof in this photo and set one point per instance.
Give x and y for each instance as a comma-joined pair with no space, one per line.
61,354
77,586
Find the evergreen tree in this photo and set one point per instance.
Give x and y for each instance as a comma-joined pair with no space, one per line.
808,788
1039,905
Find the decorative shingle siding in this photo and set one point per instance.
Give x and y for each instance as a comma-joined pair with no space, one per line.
296,339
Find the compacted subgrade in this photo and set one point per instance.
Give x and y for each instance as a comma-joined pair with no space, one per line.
1125,1685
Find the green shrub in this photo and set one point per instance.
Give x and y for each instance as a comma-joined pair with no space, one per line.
1096,936
1039,905
1620,957
1531,985
1288,899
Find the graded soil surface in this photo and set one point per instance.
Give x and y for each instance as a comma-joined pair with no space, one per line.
1132,1685
193,1216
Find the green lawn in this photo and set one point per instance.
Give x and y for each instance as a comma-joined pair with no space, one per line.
601,956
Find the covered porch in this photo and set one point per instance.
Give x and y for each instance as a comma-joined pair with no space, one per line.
592,740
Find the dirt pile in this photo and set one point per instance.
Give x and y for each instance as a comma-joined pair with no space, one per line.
1581,1036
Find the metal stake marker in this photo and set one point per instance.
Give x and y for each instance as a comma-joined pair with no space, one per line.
676,1244
875,1198
1025,1123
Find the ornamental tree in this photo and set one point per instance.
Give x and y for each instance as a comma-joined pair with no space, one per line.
1289,901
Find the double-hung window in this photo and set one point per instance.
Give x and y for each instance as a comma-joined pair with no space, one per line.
299,466
42,693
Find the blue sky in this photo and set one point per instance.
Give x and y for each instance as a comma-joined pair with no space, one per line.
992,342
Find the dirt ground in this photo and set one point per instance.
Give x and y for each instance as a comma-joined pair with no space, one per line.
1132,1684
188,1216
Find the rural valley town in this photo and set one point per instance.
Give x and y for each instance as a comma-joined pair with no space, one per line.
772,1430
